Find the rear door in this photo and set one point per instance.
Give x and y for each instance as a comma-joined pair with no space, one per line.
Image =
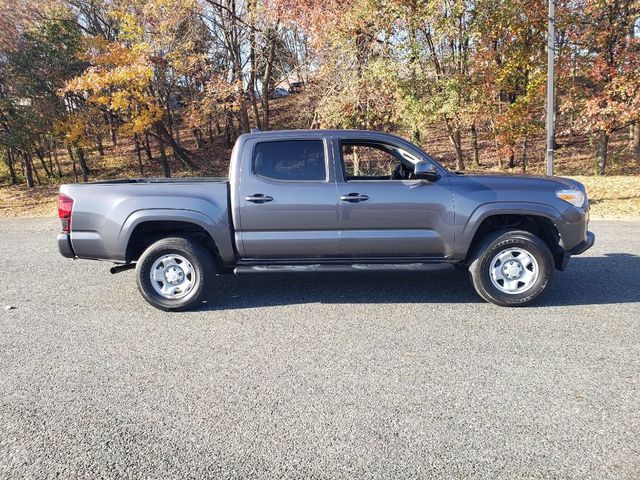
286,199
384,212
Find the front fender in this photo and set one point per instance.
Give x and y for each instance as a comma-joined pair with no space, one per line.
469,226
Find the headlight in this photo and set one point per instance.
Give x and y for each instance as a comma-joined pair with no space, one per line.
574,197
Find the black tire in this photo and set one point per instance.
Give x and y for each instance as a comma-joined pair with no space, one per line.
479,267
203,266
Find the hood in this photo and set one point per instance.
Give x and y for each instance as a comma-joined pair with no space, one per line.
514,180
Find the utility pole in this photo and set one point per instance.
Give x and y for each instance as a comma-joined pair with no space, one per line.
551,47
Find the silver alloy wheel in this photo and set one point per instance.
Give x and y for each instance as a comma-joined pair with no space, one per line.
173,276
513,271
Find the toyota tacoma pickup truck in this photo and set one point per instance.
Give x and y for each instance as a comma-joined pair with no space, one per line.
327,201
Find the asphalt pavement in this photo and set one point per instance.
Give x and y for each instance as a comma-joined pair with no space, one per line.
386,376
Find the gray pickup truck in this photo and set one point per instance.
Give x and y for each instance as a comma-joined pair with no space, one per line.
332,200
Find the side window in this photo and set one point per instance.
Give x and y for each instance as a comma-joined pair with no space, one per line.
376,161
369,162
290,160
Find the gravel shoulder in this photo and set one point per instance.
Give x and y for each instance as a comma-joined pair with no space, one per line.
404,375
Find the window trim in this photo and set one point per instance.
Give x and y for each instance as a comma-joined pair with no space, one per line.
325,153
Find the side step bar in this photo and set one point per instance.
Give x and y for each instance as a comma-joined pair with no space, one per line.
355,267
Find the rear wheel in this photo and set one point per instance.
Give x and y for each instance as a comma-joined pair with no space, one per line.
175,273
511,268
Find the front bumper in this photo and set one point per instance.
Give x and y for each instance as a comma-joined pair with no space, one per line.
582,247
64,245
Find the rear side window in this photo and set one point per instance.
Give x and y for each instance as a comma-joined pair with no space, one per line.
290,160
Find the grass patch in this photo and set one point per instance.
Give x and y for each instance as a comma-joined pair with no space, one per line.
20,201
613,197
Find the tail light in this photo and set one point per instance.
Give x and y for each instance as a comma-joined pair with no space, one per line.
65,206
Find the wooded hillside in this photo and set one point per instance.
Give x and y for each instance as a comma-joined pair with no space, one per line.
99,88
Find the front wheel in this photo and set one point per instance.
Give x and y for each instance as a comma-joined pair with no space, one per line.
175,273
511,268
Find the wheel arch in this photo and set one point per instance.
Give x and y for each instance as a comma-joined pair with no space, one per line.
144,227
540,220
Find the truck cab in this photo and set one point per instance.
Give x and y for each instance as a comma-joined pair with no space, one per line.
343,195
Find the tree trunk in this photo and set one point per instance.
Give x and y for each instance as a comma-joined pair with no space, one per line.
73,163
82,160
497,143
54,148
256,113
415,135
147,147
163,154
474,145
169,114
197,135
236,50
181,152
99,145
27,167
266,80
512,158
12,171
456,141
243,116
251,87
238,74
136,139
603,151
33,167
210,130
47,172
112,128
50,156
230,132
525,151
356,161
635,140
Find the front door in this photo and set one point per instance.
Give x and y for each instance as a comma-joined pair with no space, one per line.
286,200
384,212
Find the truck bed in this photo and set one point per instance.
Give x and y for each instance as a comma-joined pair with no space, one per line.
106,214
159,180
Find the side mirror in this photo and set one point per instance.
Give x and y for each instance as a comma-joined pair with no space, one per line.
426,171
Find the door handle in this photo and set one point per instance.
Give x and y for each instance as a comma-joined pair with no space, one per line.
258,198
354,198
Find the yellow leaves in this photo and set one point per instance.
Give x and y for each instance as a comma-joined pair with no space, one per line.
120,100
110,87
113,54
130,28
144,119
139,19
75,129
119,81
219,94
122,73
78,128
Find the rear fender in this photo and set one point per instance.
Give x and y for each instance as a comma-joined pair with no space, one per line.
218,229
